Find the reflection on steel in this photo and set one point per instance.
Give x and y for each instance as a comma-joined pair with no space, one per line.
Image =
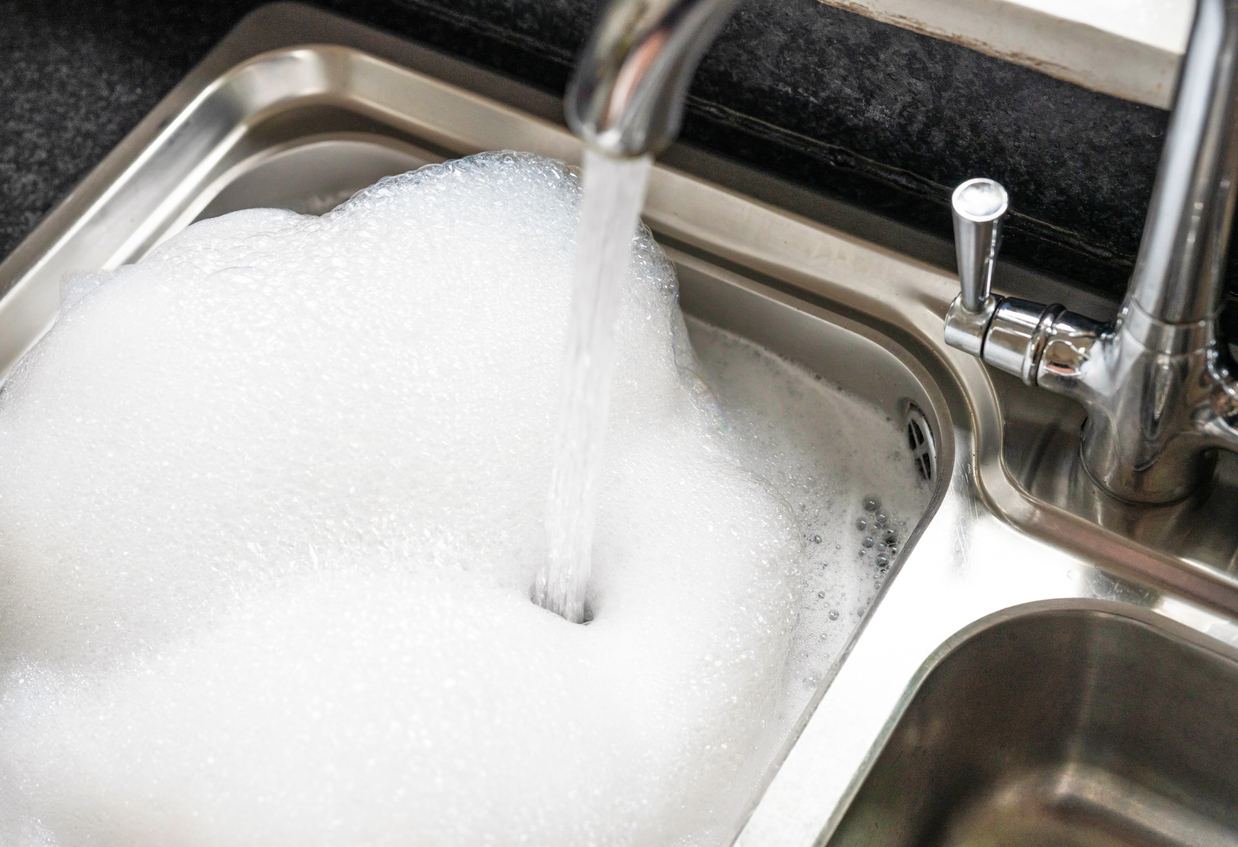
1159,399
1034,563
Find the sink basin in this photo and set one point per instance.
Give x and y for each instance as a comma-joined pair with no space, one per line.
1074,727
272,121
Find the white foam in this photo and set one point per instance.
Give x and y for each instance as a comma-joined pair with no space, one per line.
271,502
826,452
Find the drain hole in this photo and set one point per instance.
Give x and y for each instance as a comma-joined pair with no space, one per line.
920,442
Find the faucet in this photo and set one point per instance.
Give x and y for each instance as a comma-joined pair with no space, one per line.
627,94
1155,383
1160,400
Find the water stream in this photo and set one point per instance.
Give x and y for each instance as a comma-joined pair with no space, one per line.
614,191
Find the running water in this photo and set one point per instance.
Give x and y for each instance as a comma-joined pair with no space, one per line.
614,191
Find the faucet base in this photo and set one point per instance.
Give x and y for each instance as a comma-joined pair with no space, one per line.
1042,453
1155,415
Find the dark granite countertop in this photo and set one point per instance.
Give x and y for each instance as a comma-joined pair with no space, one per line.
859,110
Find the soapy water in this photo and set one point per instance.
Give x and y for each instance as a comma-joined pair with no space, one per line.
816,444
272,499
613,192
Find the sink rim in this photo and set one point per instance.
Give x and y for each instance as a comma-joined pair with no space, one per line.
1126,611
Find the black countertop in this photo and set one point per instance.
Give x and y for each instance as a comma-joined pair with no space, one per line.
859,110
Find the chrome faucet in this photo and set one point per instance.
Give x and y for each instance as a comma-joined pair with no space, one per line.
1160,400
626,97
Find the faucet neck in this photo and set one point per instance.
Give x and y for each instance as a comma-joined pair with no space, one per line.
627,94
1179,273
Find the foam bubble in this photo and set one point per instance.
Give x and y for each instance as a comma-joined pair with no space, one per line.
271,506
825,451
272,500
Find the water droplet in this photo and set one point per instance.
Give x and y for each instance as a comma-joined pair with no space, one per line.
882,519
868,541
821,594
883,561
833,614
890,536
816,539
872,503
861,524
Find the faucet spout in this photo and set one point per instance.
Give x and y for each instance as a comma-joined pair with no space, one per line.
626,97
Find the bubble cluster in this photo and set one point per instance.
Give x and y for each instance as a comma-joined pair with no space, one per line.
271,501
816,445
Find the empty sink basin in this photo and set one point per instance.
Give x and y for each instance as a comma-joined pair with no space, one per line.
1074,727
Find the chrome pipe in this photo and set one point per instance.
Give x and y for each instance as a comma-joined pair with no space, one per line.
1178,277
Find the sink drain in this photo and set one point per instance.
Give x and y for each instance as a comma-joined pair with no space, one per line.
920,440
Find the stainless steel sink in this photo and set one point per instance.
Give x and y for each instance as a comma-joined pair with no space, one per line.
1076,726
1037,666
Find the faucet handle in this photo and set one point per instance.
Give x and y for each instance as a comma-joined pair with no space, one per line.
978,206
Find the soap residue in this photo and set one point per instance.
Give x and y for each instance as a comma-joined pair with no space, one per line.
819,447
272,501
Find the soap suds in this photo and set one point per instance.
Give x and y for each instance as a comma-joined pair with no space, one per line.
827,453
272,499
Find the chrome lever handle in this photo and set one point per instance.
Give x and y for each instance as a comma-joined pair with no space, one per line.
1016,336
978,206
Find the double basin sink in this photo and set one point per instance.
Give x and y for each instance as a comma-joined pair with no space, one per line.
1043,667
